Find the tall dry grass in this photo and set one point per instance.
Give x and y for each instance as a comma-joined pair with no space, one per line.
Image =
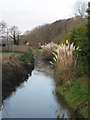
47,51
66,60
49,47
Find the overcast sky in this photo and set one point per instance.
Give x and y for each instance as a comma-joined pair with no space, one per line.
27,14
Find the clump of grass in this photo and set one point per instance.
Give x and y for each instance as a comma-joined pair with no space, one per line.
66,61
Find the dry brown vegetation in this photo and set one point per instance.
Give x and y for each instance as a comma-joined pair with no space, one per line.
66,61
49,47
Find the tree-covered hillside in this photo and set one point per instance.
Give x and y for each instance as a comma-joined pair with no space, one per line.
51,32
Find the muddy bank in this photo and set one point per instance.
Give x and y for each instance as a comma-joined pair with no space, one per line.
13,74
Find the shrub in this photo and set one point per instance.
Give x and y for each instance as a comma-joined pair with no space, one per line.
80,38
27,57
64,40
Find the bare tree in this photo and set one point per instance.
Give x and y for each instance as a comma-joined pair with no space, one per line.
14,33
3,29
80,8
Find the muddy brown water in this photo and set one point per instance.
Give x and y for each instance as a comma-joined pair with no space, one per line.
36,97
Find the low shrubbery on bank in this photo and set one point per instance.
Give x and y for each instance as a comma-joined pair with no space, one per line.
15,70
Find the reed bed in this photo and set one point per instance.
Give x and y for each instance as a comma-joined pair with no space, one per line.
49,47
66,60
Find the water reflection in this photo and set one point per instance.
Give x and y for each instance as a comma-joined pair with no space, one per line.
36,98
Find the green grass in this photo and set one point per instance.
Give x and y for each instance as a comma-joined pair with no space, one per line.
11,53
77,94
37,51
84,111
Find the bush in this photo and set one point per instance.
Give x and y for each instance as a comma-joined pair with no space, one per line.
80,38
27,57
65,38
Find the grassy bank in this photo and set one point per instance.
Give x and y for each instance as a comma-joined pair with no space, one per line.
76,96
15,70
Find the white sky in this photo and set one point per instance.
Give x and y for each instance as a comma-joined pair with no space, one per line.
27,14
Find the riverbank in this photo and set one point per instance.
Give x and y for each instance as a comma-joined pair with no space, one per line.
76,96
15,70
75,92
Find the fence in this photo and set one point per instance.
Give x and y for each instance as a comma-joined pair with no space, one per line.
15,48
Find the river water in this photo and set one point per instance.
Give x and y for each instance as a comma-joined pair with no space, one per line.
36,97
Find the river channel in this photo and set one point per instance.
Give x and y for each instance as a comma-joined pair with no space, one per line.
36,98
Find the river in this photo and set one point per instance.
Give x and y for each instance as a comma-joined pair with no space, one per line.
36,98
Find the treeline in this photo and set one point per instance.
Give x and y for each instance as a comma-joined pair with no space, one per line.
9,34
51,32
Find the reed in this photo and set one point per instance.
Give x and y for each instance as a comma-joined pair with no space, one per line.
66,60
49,47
